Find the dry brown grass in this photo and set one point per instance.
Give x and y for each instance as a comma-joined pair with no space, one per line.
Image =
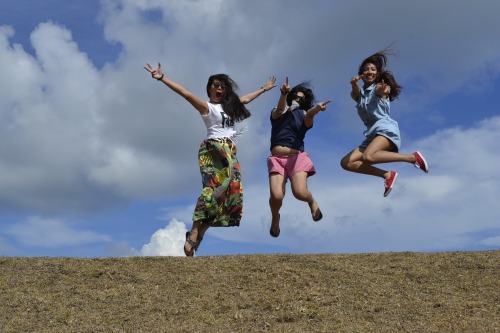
385,292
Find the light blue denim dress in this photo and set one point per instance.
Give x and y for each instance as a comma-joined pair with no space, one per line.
374,112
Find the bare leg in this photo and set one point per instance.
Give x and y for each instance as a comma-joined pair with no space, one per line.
381,150
302,193
202,229
354,162
361,160
277,192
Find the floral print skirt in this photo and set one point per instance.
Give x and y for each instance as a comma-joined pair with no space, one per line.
221,201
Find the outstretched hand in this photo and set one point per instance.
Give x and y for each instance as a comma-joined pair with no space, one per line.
156,73
322,106
270,84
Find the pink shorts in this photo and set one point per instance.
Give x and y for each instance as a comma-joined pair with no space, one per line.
287,166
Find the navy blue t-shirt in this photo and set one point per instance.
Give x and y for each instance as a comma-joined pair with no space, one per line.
289,130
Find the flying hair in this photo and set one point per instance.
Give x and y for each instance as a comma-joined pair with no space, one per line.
379,59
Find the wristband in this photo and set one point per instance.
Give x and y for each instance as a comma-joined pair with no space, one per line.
283,93
161,78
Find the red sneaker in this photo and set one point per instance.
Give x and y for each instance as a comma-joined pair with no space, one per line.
389,183
420,162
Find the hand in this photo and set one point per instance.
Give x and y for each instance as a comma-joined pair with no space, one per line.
270,84
383,89
356,78
285,88
322,106
156,73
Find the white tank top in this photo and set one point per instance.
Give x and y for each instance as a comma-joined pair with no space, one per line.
218,123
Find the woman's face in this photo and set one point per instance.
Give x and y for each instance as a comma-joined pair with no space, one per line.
369,72
217,90
299,96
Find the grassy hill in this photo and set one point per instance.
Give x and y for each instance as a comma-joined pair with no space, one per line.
382,292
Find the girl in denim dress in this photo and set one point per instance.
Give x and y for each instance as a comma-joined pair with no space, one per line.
382,139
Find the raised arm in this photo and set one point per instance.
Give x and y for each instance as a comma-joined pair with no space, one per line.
309,119
198,103
270,84
281,107
355,88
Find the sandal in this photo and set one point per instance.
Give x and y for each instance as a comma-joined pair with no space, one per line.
317,216
194,245
271,229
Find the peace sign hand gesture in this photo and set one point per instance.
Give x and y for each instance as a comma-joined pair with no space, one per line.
156,73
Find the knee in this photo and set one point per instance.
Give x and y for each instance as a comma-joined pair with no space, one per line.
368,158
344,163
276,196
301,194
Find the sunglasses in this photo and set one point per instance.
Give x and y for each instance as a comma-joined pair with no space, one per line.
219,85
299,98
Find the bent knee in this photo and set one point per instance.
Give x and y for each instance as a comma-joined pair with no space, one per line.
348,165
301,194
368,158
345,163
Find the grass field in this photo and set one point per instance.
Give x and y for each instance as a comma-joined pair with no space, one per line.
382,292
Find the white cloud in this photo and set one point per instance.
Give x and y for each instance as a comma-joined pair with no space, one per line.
168,241
133,173
52,233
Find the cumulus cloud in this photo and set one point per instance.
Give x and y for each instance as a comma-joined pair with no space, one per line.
168,241
59,151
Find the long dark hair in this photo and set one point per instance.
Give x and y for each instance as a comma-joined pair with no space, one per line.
308,100
231,103
379,59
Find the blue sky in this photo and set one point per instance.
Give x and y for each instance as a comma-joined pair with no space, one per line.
97,159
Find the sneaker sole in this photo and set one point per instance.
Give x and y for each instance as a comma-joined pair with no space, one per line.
392,185
426,166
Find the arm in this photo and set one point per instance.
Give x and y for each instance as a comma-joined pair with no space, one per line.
198,103
355,88
309,119
281,107
253,95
